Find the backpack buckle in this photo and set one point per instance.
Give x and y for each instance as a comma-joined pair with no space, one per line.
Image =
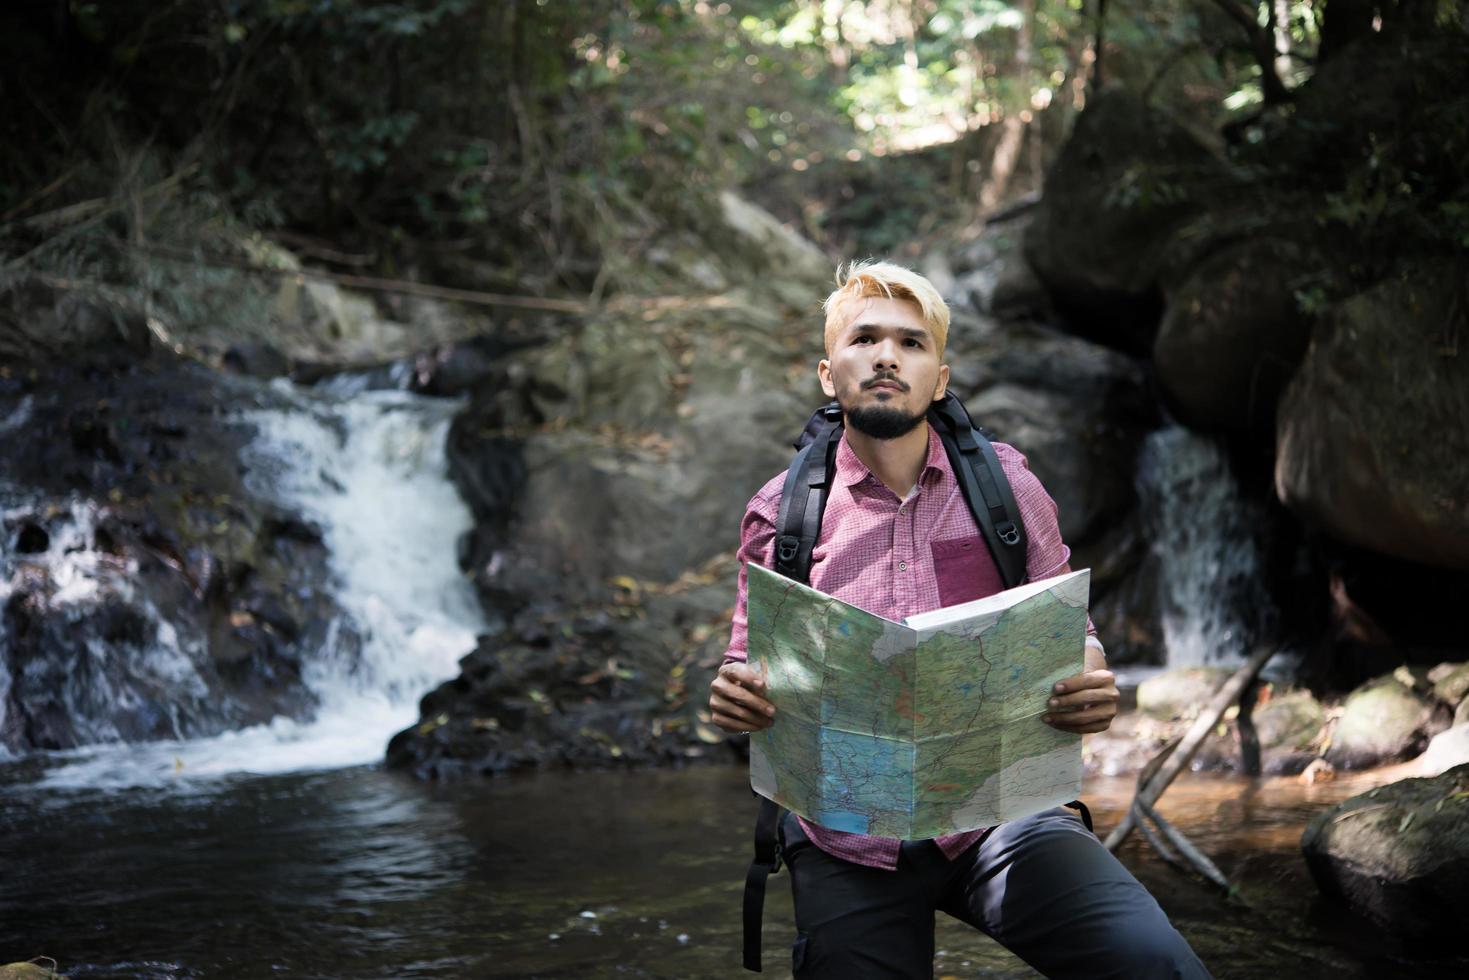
1008,532
787,546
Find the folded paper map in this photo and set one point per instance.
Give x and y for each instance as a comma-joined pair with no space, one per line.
921,728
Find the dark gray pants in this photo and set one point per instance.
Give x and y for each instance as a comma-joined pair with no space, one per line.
1044,887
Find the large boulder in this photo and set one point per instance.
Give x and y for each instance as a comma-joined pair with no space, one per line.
1078,411
776,247
1373,433
1384,720
1123,184
1231,337
1399,854
613,452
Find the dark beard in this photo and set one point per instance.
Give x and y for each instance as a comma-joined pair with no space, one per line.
879,422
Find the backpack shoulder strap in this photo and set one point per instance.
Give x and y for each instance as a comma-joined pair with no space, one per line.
984,484
803,498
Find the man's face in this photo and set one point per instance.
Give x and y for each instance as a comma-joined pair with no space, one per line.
883,369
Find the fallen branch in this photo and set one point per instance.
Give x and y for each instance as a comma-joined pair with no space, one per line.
1192,856
1179,756
649,306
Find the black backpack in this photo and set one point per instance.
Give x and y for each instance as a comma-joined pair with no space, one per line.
986,490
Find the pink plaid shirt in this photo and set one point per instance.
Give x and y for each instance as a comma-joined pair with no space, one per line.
895,558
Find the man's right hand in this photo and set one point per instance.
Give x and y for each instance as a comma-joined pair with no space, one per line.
737,699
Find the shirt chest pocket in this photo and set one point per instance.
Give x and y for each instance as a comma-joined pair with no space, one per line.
964,570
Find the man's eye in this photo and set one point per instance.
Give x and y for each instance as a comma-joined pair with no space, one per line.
864,339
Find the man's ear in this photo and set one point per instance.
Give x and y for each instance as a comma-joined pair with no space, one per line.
943,384
823,374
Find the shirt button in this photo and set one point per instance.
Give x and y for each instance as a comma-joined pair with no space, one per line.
902,566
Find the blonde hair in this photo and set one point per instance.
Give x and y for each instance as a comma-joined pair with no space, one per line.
867,279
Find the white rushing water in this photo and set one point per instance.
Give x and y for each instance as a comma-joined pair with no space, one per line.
371,471
1212,597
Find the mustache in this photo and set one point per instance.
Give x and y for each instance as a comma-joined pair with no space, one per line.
884,378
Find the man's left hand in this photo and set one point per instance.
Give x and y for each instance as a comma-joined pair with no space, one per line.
1084,703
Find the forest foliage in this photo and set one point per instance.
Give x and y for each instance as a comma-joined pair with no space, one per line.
524,139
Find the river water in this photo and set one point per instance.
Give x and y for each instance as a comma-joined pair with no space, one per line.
363,873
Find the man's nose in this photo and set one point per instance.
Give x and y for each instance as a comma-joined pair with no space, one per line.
885,356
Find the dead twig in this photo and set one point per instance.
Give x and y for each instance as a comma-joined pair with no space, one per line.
649,307
1180,756
1192,856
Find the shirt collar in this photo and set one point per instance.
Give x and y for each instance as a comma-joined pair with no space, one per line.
851,470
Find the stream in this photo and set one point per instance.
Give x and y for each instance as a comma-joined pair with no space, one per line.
359,872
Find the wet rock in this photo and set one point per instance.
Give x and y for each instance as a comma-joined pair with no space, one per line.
1231,337
32,539
1290,721
1450,682
618,686
1123,184
1399,854
146,592
1179,693
1352,454
1288,727
258,359
1384,720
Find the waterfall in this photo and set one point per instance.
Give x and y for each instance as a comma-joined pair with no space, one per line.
369,469
1206,536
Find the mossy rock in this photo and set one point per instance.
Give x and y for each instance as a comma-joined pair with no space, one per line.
1179,693
1399,854
28,971
1382,721
1289,721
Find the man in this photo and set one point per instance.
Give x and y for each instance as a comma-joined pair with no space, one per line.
897,539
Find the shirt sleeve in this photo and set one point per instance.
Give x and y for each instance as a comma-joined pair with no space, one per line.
757,544
1046,554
